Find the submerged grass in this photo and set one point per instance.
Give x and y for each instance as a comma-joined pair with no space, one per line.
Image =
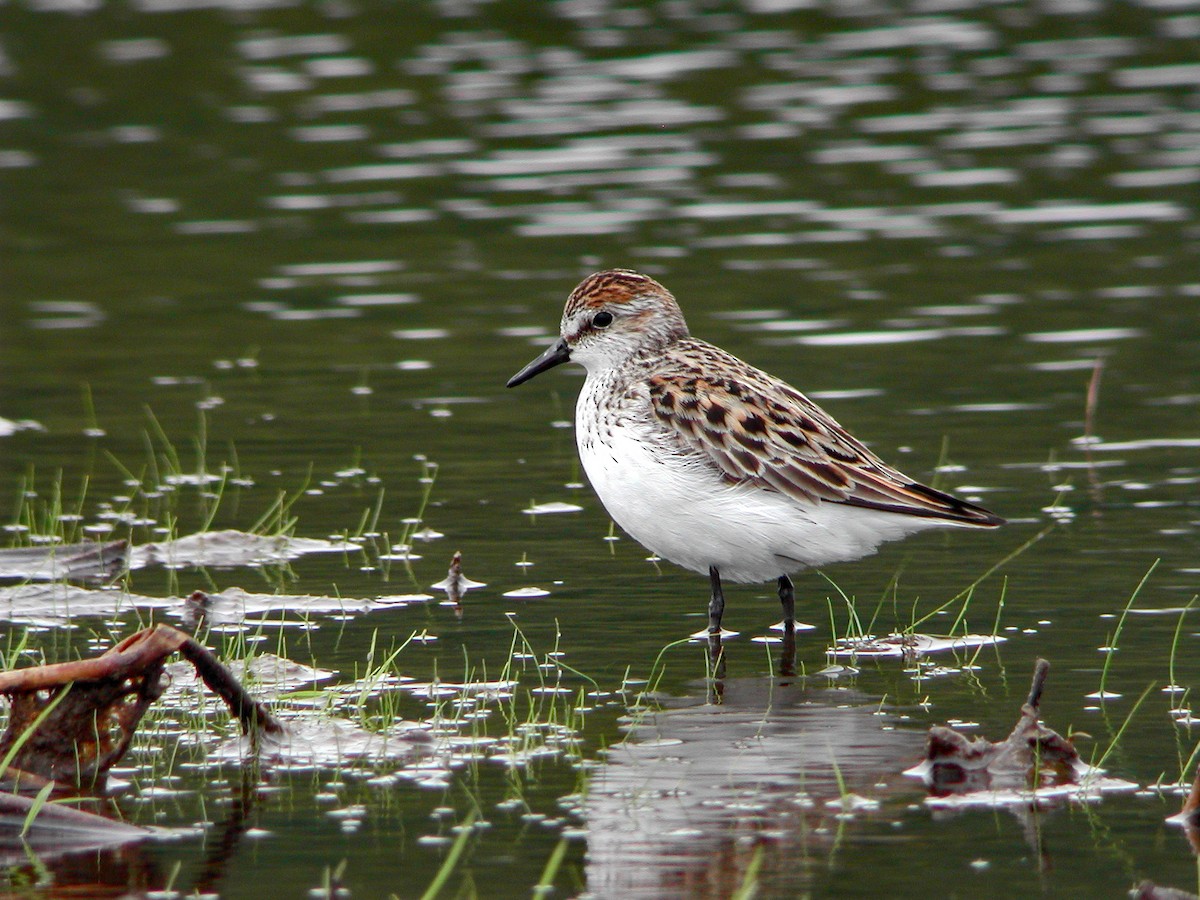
162,495
46,515
1114,637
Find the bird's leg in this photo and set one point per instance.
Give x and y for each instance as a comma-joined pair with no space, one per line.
787,599
787,651
716,669
716,605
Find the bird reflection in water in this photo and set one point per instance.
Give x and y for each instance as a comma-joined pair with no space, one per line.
717,661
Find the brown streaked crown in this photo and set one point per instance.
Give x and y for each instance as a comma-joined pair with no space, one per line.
646,313
614,286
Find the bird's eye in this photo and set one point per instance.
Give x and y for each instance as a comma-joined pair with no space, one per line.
602,319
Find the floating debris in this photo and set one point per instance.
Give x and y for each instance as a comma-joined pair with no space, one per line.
489,690
58,827
401,553
233,605
852,803
403,599
1031,765
455,584
427,534
704,634
327,742
270,675
89,561
229,548
909,645
836,671
1148,890
798,626
56,604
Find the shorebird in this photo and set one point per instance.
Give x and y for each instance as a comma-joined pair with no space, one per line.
712,463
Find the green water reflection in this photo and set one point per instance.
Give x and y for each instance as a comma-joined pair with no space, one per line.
302,239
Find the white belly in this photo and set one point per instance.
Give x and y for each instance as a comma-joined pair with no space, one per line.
684,512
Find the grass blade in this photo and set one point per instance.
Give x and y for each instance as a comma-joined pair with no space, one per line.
38,802
546,883
749,886
1114,639
451,860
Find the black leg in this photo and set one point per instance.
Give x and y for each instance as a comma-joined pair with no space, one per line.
716,606
787,651
716,669
787,599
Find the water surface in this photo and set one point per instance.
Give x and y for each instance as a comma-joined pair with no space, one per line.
273,247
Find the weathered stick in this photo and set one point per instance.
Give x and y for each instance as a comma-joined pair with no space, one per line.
1041,669
250,713
92,726
131,654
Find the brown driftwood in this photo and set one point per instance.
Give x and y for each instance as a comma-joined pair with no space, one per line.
1191,806
1029,757
91,727
1189,816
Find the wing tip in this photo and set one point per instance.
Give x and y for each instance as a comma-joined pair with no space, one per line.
937,505
956,510
984,518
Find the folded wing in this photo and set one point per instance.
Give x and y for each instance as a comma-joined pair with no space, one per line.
757,429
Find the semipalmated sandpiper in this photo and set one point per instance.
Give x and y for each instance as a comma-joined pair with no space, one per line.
716,465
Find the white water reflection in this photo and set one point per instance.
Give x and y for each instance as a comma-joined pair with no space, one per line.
899,336
1083,335
675,811
64,314
10,427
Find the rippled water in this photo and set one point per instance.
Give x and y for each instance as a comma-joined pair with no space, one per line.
267,249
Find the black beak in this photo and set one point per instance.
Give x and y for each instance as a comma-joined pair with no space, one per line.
555,355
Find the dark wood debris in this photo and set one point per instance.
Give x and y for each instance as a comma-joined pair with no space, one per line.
1032,756
90,728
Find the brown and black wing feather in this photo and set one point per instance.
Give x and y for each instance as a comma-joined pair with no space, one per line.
757,429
